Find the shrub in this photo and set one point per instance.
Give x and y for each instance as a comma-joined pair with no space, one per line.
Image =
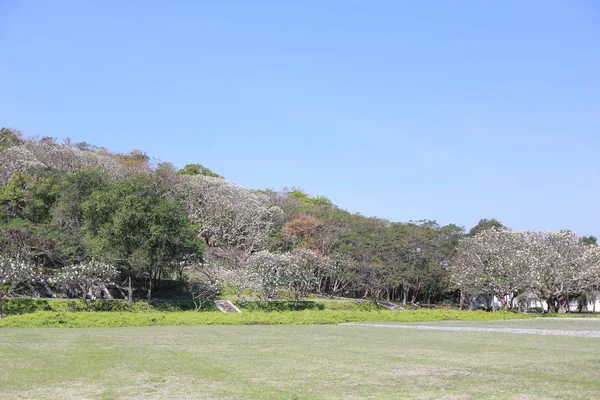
115,319
13,306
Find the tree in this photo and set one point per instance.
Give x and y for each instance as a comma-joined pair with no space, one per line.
15,274
340,272
494,262
68,211
87,281
135,222
205,284
370,281
31,245
13,197
232,219
591,240
270,274
10,137
30,196
197,169
591,276
557,267
301,270
484,224
38,155
302,231
243,282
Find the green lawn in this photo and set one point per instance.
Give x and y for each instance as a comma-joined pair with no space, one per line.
285,362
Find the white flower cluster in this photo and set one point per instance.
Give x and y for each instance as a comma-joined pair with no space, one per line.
31,155
229,216
506,264
16,272
296,272
88,280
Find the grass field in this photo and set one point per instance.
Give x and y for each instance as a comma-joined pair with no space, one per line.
302,362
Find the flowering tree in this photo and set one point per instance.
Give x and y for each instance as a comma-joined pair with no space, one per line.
14,274
270,273
559,267
32,155
494,262
301,272
231,218
591,275
205,281
242,281
87,281
556,266
295,272
340,271
302,231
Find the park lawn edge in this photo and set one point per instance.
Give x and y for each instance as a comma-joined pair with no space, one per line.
50,319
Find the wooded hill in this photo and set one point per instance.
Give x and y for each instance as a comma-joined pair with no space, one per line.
64,205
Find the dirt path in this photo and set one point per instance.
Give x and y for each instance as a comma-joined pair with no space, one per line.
593,334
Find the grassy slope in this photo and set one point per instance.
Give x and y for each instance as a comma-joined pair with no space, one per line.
283,362
108,319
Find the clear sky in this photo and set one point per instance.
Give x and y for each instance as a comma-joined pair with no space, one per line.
445,110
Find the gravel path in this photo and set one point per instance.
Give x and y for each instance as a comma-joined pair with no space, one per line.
595,334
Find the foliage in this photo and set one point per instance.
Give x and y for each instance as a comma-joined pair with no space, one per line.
133,222
14,306
197,169
485,224
309,305
10,137
64,204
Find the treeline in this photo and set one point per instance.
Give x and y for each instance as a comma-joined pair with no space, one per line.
554,266
79,219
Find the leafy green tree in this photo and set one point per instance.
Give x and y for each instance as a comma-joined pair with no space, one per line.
484,224
198,169
68,212
10,137
133,222
13,197
30,196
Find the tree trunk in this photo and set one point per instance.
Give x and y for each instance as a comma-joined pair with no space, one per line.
129,290
563,304
149,295
551,302
416,292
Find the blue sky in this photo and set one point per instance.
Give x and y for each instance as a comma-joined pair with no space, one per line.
406,110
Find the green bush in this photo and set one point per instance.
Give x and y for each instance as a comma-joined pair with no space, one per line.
150,318
336,305
14,306
280,306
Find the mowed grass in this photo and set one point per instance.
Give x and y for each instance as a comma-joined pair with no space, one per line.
301,362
